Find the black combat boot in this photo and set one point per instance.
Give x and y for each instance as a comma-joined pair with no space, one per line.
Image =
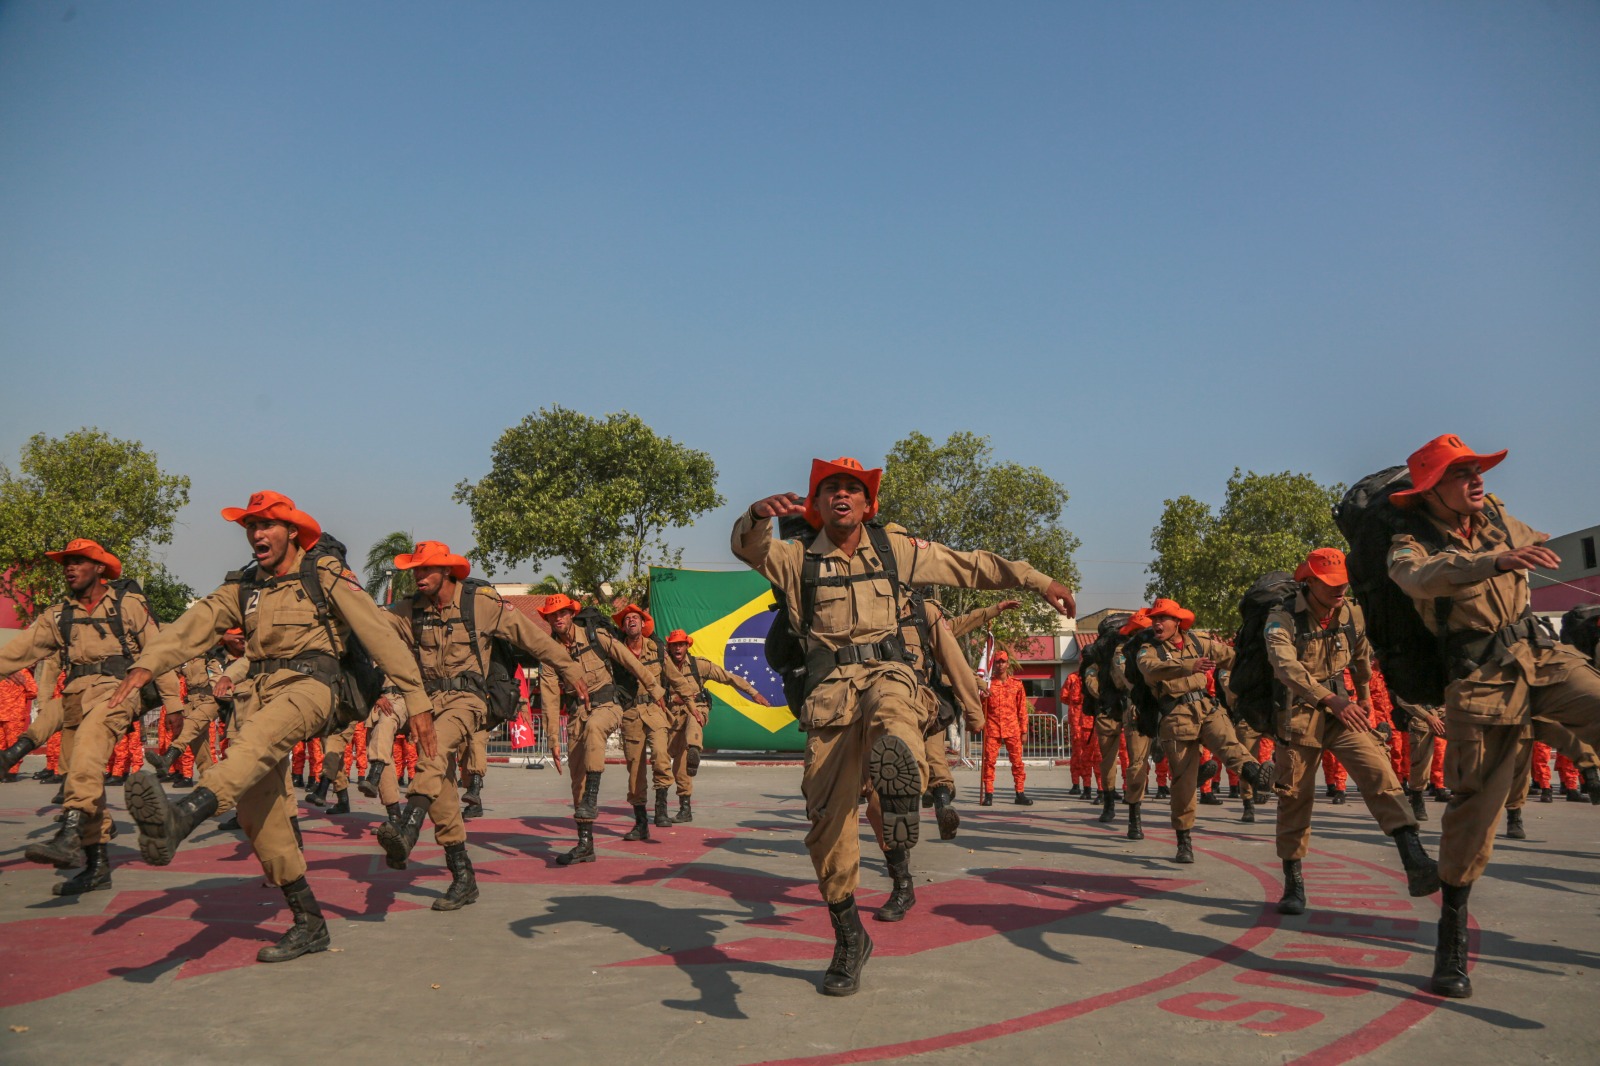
398,838
318,797
1249,812
1547,795
183,782
852,947
1108,811
394,810
1209,769
892,769
1163,792
1575,795
14,754
587,809
1294,889
96,873
641,825
1135,826
904,896
1450,956
1022,800
299,780
309,932
163,824
1074,791
111,779
1514,828
1591,783
1209,799
1441,794
1422,873
944,812
1260,775
1185,847
60,796
63,851
231,823
584,852
1419,807
472,798
294,823
685,813
369,784
663,820
986,799
463,884
162,761
343,806
1338,797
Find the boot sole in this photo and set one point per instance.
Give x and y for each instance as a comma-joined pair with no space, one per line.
895,777
395,852
150,811
949,821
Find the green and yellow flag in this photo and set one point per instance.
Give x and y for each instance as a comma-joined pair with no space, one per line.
727,613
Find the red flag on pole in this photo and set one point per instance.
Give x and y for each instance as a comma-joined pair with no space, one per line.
522,734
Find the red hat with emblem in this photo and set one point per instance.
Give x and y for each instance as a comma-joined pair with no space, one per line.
92,551
558,601
821,470
1170,609
276,507
649,627
1428,463
1326,565
678,636
434,553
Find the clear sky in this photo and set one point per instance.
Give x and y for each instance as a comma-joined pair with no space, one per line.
336,248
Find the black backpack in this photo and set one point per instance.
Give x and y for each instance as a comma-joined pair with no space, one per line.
1146,707
785,651
1102,653
1255,693
1580,627
120,589
360,682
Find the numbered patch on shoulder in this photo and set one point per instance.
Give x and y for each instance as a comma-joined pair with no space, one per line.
1401,553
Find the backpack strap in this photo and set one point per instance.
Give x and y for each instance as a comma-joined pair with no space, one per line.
469,611
811,576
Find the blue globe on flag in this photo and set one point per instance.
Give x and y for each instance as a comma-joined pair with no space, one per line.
745,656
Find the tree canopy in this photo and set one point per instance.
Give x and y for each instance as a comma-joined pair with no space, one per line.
84,484
958,494
598,494
1206,561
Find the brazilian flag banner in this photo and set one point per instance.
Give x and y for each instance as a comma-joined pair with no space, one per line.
727,613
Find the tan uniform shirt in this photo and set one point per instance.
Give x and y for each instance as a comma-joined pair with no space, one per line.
864,611
942,632
1174,676
1306,673
280,622
1483,599
668,678
92,640
594,662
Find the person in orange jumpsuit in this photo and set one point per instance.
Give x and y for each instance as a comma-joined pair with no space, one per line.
126,757
405,759
1334,774
1541,771
1383,714
1570,779
52,759
16,697
1072,700
1005,713
306,772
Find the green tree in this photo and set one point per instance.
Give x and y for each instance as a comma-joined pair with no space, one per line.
598,494
379,566
1206,561
84,484
168,596
956,493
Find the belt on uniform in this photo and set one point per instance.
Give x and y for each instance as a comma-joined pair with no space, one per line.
1187,697
116,666
604,694
1471,649
318,664
200,690
462,682
889,650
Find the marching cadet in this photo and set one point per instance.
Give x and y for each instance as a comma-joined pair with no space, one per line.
97,631
293,647
204,675
591,720
474,764
1005,721
689,717
646,720
862,712
1506,669
1137,775
1309,647
332,775
454,663
1175,667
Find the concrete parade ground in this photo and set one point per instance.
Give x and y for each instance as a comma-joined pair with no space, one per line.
1038,935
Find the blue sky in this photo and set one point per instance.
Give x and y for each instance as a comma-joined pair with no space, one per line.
336,249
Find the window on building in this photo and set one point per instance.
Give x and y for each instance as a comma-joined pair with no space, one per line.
1588,553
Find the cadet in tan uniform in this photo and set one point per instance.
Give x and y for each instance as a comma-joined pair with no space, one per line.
200,707
1175,668
454,664
689,717
293,645
1506,669
331,774
591,721
864,710
97,631
1137,776
645,720
1309,647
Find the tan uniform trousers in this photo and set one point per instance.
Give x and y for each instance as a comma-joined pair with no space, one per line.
1107,733
937,754
456,716
1252,743
836,766
1184,730
333,749
93,730
646,723
1368,765
381,731
686,733
1420,743
47,723
474,755
1139,753
586,738
196,731
1482,763
1562,742
253,775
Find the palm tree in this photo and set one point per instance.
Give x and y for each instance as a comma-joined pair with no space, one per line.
380,570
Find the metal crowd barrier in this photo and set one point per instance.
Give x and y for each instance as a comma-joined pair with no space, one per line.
1046,738
535,755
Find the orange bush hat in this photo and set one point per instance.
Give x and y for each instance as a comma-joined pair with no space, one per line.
678,636
1170,609
559,601
1429,462
1139,620
633,608
821,470
91,550
434,553
1326,565
276,507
